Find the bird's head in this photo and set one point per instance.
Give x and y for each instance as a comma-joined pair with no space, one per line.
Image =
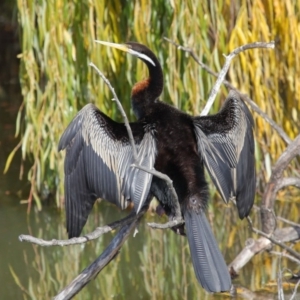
135,49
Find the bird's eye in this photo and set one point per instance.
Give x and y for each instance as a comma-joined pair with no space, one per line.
193,200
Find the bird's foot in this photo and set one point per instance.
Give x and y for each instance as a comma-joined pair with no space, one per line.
179,227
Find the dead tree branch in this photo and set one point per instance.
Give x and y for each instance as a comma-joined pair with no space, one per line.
268,200
102,261
283,254
270,235
88,237
278,241
253,247
223,72
295,291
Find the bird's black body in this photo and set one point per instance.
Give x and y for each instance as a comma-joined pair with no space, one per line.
99,157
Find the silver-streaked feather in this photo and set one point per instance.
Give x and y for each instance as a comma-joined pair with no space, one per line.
98,165
226,144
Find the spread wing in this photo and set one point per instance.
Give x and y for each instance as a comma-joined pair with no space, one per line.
226,144
98,165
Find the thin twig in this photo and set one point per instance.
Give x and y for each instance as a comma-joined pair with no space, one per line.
292,258
279,283
295,291
223,72
277,217
288,221
252,104
256,108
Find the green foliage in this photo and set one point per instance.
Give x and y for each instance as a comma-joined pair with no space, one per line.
57,39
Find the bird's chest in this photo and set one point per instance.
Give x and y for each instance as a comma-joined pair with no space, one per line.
177,153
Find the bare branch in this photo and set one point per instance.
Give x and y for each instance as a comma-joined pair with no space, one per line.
102,261
167,225
222,74
288,181
269,196
279,283
252,104
292,258
88,237
288,221
277,217
253,247
273,240
295,291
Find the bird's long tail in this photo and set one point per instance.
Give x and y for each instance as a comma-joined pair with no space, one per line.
209,265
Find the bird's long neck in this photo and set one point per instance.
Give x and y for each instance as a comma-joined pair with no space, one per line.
145,92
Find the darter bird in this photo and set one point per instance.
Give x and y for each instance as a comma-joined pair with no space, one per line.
99,158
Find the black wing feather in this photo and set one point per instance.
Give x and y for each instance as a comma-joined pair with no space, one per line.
98,165
226,144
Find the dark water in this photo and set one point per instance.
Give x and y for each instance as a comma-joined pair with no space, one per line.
153,265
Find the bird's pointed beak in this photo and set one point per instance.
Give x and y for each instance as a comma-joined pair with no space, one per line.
128,49
122,47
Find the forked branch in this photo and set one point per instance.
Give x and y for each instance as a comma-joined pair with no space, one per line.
252,104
